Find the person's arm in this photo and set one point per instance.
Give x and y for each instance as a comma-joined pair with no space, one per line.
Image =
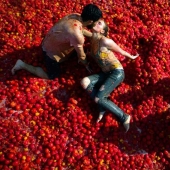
82,57
77,40
111,45
87,33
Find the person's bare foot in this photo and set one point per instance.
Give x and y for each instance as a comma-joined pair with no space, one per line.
18,66
126,124
100,117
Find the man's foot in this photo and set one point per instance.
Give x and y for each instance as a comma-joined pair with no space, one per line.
126,124
100,117
18,66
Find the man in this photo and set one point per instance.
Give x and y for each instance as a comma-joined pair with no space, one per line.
65,36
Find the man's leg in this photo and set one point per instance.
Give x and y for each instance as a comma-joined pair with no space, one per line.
52,66
38,71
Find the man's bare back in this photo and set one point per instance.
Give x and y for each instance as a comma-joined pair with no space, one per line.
63,37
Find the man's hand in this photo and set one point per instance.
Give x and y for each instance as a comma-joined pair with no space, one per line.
88,68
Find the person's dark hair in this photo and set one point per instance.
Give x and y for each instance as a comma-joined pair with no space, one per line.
91,12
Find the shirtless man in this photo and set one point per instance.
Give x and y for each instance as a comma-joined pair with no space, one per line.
65,36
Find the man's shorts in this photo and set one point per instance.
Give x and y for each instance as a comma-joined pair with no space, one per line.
52,66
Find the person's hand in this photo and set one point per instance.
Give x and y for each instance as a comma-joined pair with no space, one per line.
88,52
134,56
88,68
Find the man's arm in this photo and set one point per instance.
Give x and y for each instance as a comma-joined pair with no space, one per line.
87,33
81,55
82,58
77,40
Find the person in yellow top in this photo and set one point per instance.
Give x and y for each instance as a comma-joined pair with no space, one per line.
100,85
64,37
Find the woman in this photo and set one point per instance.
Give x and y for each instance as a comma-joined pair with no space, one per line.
99,86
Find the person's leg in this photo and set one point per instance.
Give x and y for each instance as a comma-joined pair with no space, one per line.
91,84
114,78
52,66
38,71
101,114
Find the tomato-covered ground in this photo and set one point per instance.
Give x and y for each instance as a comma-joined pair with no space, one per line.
51,125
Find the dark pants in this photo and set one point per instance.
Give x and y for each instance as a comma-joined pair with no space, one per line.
52,66
100,87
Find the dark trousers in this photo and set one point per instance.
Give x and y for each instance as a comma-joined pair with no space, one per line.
52,66
100,87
